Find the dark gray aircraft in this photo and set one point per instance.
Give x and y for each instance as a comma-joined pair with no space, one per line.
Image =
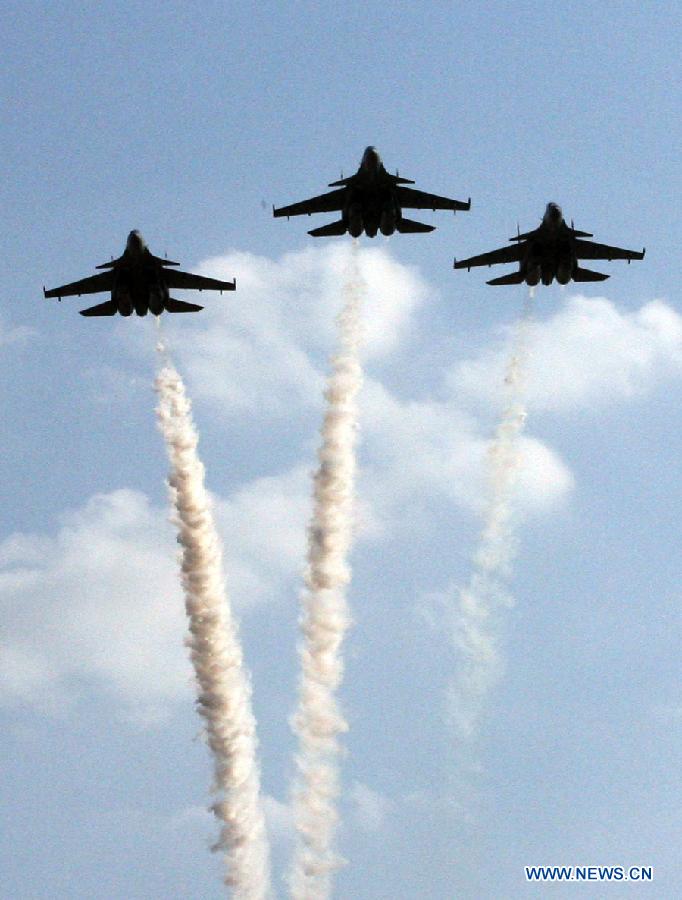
139,282
371,200
551,251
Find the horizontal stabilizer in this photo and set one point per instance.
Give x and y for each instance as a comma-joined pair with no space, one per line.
587,275
179,306
511,278
409,226
342,182
109,265
330,230
110,308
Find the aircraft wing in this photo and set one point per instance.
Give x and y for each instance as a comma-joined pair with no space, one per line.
512,253
592,250
409,198
174,278
330,202
92,285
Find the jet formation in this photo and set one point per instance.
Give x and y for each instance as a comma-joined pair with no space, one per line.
139,283
553,250
372,200
369,201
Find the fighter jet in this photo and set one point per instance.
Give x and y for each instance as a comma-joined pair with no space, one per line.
139,282
371,200
551,251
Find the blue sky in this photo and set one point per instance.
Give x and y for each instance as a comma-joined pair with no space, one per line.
189,121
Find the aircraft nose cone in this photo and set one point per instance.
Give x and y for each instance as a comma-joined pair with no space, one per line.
370,157
135,239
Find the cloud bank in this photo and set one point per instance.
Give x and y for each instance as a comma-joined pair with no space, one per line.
67,592
98,603
589,353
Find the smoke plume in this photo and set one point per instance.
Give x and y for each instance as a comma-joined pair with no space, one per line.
318,721
477,624
224,693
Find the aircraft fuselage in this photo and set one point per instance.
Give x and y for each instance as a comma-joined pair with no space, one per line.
138,283
371,204
371,208
550,254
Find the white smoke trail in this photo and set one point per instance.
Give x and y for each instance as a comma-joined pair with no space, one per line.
477,627
224,699
318,721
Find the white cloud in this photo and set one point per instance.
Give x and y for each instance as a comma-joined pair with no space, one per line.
264,350
100,600
544,481
299,294
12,335
78,605
589,353
279,819
421,449
263,530
369,808
262,353
260,349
